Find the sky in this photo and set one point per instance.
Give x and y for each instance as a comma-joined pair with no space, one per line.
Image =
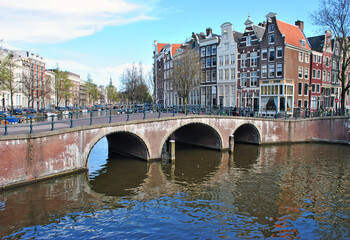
104,37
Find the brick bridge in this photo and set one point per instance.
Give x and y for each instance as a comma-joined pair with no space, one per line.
30,157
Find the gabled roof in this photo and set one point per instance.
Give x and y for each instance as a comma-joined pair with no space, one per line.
174,47
293,34
237,36
160,46
259,31
317,43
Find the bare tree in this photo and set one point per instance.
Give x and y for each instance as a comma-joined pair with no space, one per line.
335,15
185,74
28,88
8,82
150,83
131,79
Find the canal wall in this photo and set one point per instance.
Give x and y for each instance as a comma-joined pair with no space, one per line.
27,158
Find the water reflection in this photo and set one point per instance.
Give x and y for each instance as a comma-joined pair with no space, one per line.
288,191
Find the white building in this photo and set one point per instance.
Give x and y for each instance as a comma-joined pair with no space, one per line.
227,66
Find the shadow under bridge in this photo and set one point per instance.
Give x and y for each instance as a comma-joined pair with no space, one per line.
127,144
197,134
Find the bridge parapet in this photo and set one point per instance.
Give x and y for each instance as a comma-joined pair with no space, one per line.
30,157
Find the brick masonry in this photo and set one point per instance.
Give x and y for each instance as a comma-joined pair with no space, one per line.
27,158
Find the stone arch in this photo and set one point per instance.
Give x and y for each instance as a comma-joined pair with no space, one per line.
247,133
140,140
195,128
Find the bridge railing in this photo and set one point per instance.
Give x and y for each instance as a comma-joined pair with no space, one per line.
29,124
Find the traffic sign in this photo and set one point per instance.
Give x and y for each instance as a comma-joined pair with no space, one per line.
336,100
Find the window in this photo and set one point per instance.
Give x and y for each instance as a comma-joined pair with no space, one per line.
306,73
227,74
221,60
271,70
221,76
300,72
264,71
313,73
253,79
271,39
300,88
299,103
214,61
232,59
271,28
208,78
305,89
214,49
324,76
271,54
319,59
203,62
202,51
334,77
313,102
306,57
213,77
244,61
264,54
208,50
305,104
279,52
249,40
233,73
314,58
318,74
243,79
329,76
203,77
313,87
253,59
279,70
227,60
318,88
300,56
208,62
226,46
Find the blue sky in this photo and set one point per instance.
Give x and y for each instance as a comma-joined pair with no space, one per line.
103,37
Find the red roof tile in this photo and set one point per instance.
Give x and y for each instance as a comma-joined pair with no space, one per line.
292,34
174,48
160,46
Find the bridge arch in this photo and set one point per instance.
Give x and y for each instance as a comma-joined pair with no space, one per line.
195,133
247,133
122,142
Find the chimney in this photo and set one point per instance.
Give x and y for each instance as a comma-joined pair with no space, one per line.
300,24
209,31
263,24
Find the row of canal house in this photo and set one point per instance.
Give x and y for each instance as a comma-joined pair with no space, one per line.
271,67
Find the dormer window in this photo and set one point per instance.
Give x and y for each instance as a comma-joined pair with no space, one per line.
271,28
302,42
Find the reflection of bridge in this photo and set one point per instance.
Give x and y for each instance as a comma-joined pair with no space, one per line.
30,157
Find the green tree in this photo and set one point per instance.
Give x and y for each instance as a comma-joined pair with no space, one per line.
8,82
112,94
62,86
335,15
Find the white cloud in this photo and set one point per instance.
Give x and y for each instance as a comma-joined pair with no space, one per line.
52,21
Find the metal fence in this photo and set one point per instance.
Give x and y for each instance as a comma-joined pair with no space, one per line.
29,124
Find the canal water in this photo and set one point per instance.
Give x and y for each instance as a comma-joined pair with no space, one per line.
299,191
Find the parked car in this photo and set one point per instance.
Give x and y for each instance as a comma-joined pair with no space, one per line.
32,110
51,112
3,114
17,111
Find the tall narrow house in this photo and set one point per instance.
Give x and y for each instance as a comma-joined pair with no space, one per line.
227,66
285,68
248,91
